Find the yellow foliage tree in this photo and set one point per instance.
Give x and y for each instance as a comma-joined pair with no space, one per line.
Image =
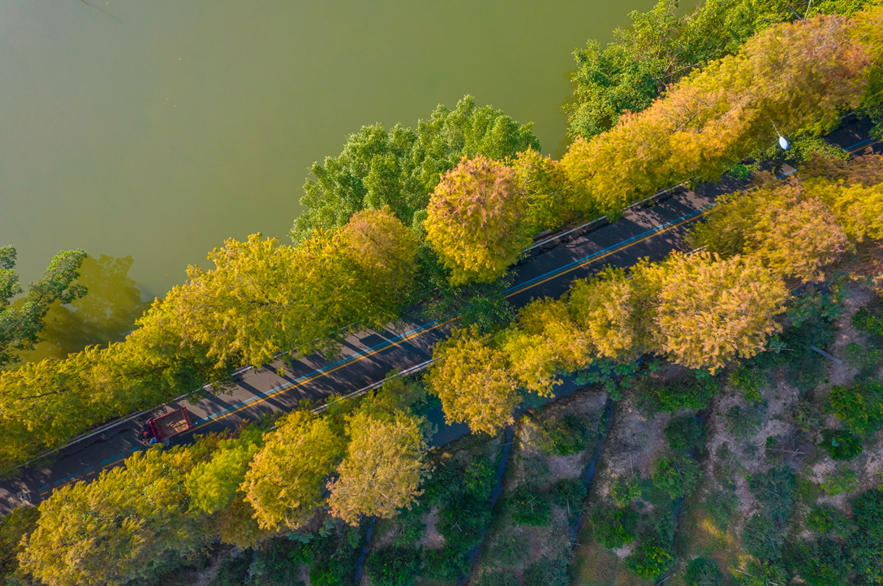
710,311
285,480
859,209
798,75
473,382
788,232
475,220
382,469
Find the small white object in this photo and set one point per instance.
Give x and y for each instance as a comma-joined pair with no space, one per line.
783,142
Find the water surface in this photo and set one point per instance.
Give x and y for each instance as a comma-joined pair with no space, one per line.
157,129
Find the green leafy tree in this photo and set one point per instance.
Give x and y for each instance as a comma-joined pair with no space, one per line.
213,484
860,407
285,480
20,327
400,167
546,191
841,444
475,220
818,563
473,381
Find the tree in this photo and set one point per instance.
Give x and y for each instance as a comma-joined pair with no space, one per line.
382,469
20,327
475,220
213,485
858,209
400,167
614,312
800,74
788,232
285,479
703,572
473,382
545,189
678,476
120,527
860,407
710,310
550,319
381,247
661,47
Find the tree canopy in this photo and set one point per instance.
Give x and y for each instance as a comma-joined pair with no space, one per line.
400,167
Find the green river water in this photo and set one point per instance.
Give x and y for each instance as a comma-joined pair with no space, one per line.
156,129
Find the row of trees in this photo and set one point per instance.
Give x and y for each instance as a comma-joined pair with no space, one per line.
358,459
662,46
701,310
259,300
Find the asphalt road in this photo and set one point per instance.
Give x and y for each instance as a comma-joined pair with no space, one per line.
651,230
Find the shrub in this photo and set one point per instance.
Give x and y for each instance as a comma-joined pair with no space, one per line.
233,570
511,548
625,489
685,433
744,422
806,416
866,541
859,407
564,436
839,481
763,537
497,578
677,476
841,444
868,321
529,506
652,557
393,566
748,380
612,527
720,505
446,564
817,563
547,572
776,490
569,494
693,391
826,519
703,572
479,478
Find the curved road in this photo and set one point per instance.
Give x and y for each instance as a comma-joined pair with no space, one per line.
650,230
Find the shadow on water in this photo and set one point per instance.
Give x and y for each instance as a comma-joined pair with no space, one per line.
106,314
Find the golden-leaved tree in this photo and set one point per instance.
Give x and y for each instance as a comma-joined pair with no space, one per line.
473,381
382,469
614,312
475,220
121,527
285,479
797,77
710,311
789,232
546,192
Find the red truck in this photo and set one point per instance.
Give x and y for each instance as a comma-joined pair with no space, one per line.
161,428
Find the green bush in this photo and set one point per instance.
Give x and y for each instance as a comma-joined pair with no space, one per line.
868,321
839,482
776,490
763,537
446,564
866,542
677,476
744,422
566,435
497,578
806,416
409,525
685,434
393,566
817,563
825,519
511,548
546,572
479,478
720,505
233,571
748,380
569,493
462,521
841,444
625,489
703,572
613,527
860,407
529,506
651,557
693,391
